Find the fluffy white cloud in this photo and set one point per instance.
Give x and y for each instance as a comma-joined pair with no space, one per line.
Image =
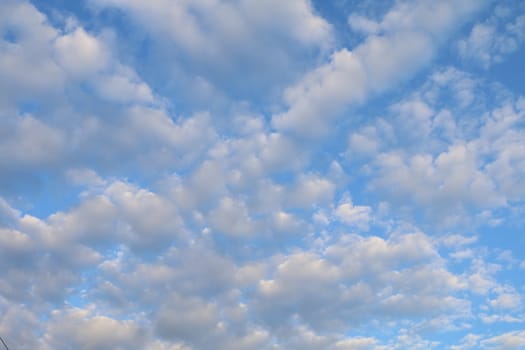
80,54
232,23
358,279
507,299
18,322
447,164
409,34
215,39
79,328
353,215
489,42
49,75
29,51
231,217
445,183
354,279
468,342
311,190
58,57
28,141
356,344
506,341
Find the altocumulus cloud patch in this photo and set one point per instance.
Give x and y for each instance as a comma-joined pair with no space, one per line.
262,174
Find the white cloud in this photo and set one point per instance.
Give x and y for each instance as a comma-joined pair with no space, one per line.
231,218
28,141
450,166
507,299
507,341
408,39
359,279
149,221
8,215
456,241
469,341
61,59
80,54
125,87
311,190
354,279
369,140
232,23
201,317
362,24
79,328
261,40
443,184
407,339
501,318
414,122
356,344
58,133
88,58
489,42
29,53
87,177
18,321
287,223
323,94
354,215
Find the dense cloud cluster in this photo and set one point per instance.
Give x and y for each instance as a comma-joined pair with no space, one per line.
242,175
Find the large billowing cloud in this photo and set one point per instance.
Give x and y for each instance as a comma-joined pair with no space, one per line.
238,174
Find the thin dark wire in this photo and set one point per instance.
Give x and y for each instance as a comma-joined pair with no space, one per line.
3,342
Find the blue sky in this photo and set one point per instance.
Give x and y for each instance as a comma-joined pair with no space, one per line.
247,174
